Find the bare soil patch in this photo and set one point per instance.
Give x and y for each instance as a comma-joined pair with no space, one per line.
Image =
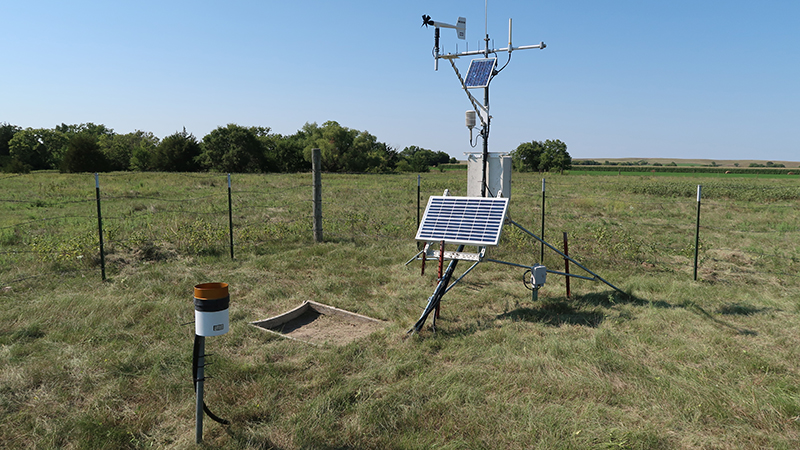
320,324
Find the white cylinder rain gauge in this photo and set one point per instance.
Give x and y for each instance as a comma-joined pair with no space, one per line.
211,302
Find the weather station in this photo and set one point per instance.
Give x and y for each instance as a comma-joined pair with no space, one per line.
476,220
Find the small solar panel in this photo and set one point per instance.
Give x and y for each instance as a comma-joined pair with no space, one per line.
479,73
463,220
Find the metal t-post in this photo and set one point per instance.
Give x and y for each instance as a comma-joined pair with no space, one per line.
230,214
541,260
316,163
697,233
100,227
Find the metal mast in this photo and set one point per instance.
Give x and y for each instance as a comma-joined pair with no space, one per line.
482,111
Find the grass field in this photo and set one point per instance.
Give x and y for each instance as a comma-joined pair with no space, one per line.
675,363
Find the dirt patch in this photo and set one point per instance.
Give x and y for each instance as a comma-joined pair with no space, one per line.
321,324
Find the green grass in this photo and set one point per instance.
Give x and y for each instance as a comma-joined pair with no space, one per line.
675,364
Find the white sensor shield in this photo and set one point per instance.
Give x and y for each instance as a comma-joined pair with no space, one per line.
211,323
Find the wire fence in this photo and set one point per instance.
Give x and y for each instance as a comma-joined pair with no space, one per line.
51,224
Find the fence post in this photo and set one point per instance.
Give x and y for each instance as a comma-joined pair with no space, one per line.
697,233
566,264
230,214
316,162
419,178
541,259
100,227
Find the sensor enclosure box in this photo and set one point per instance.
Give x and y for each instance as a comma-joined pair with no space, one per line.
538,276
498,174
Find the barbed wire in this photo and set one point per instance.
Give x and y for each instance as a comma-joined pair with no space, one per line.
161,199
46,219
350,224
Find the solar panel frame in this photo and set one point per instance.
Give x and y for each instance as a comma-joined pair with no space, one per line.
480,72
463,220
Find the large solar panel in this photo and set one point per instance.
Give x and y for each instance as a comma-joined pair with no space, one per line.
479,73
463,220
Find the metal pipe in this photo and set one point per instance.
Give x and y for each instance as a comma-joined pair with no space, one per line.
412,259
697,233
434,299
462,276
200,352
100,227
230,214
566,263
418,204
507,263
541,256
598,277
571,275
316,168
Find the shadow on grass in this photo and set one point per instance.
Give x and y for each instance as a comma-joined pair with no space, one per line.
247,439
573,312
739,309
697,309
610,298
555,313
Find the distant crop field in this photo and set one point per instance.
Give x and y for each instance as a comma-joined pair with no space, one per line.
671,363
725,163
645,171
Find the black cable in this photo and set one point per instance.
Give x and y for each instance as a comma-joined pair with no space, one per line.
195,359
504,65
525,278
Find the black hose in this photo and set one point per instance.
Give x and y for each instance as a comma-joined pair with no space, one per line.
195,359
525,278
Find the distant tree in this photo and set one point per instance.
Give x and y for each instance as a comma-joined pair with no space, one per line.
234,148
144,145
88,128
7,131
176,153
453,160
84,155
286,152
417,159
333,140
131,151
39,148
527,156
347,150
542,156
555,157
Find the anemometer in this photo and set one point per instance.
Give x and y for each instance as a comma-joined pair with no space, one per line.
480,73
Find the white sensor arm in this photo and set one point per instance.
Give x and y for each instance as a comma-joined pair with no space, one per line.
461,27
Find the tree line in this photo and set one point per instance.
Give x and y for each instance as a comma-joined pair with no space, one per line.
89,147
233,148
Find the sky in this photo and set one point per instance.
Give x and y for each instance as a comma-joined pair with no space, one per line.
619,78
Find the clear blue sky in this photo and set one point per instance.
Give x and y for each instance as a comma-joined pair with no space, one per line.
684,79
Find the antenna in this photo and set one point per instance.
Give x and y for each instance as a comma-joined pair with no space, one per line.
480,73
